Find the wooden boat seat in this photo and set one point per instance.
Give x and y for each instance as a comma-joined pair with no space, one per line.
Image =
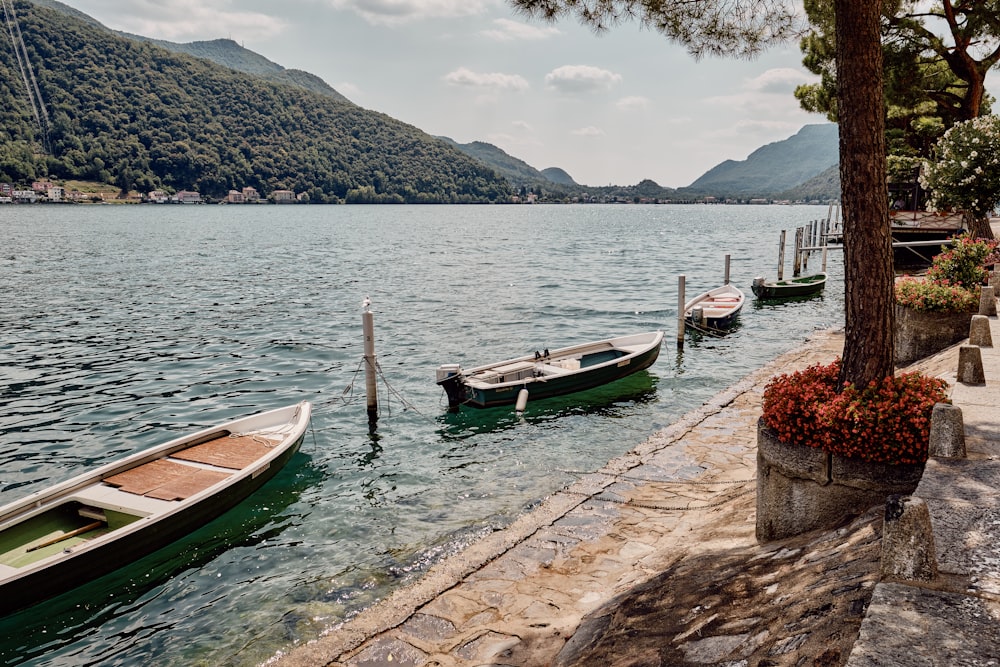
516,367
229,451
165,480
111,497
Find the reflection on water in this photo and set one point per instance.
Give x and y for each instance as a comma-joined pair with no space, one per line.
609,400
74,615
134,324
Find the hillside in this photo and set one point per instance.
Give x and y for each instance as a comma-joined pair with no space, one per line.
776,167
823,186
132,113
212,116
224,52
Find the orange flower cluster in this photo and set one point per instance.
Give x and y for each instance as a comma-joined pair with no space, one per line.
886,422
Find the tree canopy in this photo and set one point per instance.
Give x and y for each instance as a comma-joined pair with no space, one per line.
744,27
935,64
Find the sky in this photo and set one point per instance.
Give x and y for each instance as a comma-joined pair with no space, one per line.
609,109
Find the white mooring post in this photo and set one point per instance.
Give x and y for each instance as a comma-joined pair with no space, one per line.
680,311
371,387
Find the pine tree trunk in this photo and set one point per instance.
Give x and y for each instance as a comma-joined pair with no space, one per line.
868,273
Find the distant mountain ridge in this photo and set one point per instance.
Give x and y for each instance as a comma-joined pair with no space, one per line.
776,167
792,168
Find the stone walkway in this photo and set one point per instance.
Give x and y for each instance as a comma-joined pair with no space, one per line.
631,567
953,619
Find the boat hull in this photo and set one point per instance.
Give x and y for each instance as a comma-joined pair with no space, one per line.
559,386
84,562
784,289
715,310
598,368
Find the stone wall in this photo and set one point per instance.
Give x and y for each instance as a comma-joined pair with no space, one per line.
920,333
800,489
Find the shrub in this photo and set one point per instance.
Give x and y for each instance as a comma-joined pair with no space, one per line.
926,295
886,422
964,263
965,174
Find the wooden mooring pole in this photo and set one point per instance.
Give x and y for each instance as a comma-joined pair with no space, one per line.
797,258
371,386
781,256
680,311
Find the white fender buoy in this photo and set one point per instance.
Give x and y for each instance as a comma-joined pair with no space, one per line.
522,400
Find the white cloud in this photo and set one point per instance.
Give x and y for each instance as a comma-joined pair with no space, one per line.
186,20
395,12
590,131
581,79
524,126
781,81
508,31
497,81
633,103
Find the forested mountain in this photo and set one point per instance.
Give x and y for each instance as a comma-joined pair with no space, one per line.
135,114
822,186
145,114
776,167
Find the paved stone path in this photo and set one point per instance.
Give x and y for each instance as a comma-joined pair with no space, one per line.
630,566
518,595
953,619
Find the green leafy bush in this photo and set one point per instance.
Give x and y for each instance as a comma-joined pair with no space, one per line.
954,279
931,296
964,263
966,172
886,422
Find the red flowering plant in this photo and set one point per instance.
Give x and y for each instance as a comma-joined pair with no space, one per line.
936,296
886,422
953,280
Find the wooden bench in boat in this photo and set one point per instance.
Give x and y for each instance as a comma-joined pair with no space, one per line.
180,475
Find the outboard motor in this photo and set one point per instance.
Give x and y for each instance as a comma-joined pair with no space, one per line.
756,284
449,376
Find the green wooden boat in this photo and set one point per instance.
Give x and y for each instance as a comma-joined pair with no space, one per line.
546,374
78,530
794,287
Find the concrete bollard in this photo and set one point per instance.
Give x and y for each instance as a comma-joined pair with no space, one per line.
947,432
908,540
979,331
970,365
988,302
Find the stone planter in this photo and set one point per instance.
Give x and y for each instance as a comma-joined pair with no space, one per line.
800,489
920,333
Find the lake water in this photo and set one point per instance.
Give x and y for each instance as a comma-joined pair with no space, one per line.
126,326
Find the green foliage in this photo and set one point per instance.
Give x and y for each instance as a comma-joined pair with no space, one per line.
965,172
964,263
935,296
929,85
953,280
888,421
129,112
